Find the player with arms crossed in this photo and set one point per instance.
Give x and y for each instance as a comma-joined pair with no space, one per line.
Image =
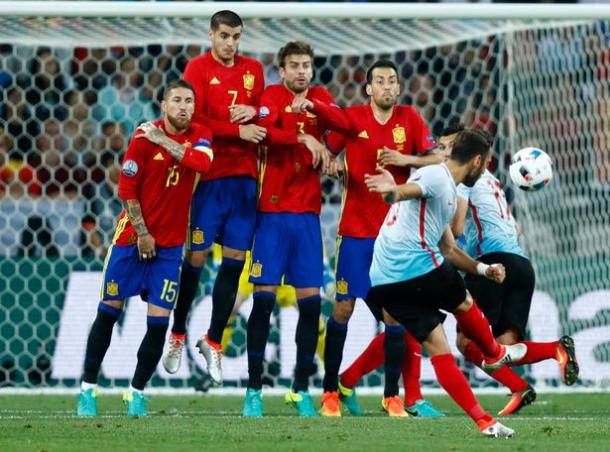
378,131
412,280
288,239
156,185
227,88
484,216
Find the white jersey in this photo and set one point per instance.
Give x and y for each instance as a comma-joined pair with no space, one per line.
490,227
407,245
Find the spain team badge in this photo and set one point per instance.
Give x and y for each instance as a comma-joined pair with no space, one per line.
249,81
257,270
197,237
342,287
399,135
112,289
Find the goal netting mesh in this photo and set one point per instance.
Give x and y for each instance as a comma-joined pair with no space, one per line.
74,89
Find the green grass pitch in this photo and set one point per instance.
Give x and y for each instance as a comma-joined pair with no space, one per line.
566,422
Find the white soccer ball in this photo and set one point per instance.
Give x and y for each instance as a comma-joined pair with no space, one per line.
531,169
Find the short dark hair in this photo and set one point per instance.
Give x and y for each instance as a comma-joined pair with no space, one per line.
180,83
453,128
379,64
469,143
294,48
225,17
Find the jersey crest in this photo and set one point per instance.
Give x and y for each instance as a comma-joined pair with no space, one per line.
197,237
112,288
399,135
249,81
257,270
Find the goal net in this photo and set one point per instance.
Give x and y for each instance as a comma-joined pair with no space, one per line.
75,87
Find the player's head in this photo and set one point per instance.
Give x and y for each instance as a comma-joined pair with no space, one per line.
296,65
225,33
448,136
178,104
382,84
472,150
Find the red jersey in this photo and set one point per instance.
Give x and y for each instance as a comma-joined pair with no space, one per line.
162,185
217,87
363,212
288,181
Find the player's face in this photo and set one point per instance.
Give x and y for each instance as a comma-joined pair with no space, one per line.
297,72
384,87
225,42
178,107
479,163
445,145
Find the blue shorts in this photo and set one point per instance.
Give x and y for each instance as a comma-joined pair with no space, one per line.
155,280
353,262
223,211
290,245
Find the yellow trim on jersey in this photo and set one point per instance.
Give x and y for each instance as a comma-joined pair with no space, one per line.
345,187
120,228
106,260
338,247
263,167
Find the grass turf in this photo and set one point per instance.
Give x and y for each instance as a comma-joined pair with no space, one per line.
555,423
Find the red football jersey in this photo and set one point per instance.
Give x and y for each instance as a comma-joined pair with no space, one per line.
288,181
363,212
162,185
217,87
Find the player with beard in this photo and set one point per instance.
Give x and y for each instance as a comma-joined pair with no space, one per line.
414,270
156,186
379,131
288,239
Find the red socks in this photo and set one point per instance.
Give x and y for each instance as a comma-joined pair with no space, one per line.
538,351
475,327
504,375
370,359
453,381
411,370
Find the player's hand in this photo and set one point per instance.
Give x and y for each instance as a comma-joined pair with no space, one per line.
381,183
334,167
146,247
392,157
241,114
301,105
496,272
317,149
150,132
252,133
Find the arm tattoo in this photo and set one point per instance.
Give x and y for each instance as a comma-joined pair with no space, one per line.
134,213
175,149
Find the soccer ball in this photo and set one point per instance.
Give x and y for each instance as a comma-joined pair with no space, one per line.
531,169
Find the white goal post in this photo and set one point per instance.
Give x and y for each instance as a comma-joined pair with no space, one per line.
530,74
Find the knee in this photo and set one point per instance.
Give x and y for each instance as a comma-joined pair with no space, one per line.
389,320
343,311
196,258
310,307
465,305
461,342
509,337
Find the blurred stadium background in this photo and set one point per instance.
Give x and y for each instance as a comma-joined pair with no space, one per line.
75,86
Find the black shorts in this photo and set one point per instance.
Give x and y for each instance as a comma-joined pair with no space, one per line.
416,303
505,305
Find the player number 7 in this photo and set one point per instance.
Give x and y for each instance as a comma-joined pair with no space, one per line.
233,92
